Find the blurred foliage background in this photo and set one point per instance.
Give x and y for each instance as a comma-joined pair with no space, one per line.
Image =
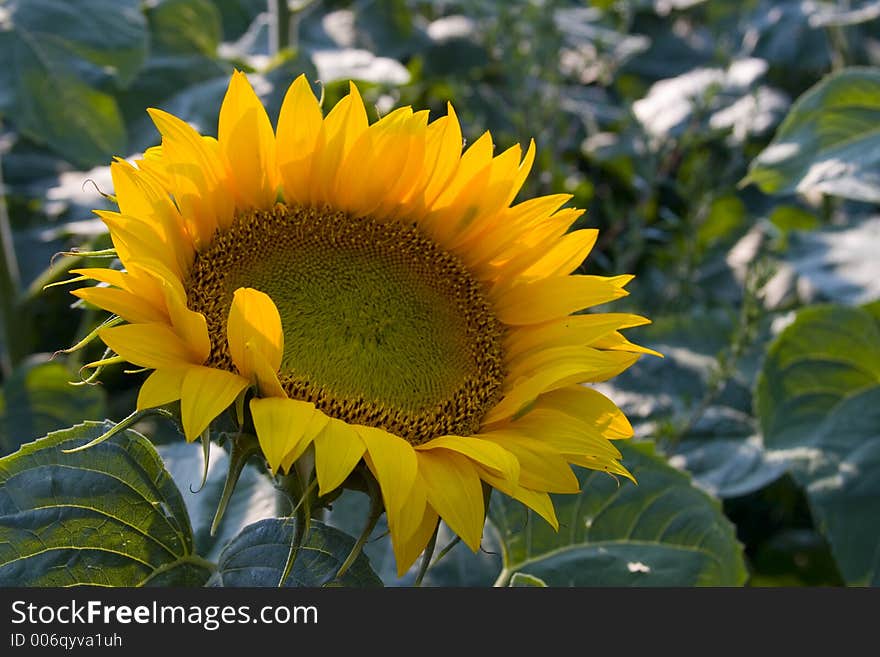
728,151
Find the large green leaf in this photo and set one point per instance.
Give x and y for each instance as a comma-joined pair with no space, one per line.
257,556
663,532
818,400
109,515
829,142
110,34
38,398
53,51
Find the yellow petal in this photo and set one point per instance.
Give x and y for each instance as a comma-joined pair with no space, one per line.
565,434
412,512
454,490
552,298
541,467
119,302
442,154
112,277
314,426
406,551
190,325
572,330
197,175
561,259
518,221
254,320
133,235
591,406
338,449
248,142
341,130
280,425
299,125
538,501
556,368
263,374
491,456
149,345
393,462
139,195
205,393
616,342
161,387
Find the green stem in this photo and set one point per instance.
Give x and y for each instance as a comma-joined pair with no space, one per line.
12,323
426,557
279,34
377,508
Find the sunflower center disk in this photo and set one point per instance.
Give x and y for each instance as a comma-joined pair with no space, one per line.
381,326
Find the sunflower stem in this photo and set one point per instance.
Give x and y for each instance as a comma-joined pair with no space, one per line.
244,446
13,322
426,557
446,550
302,514
279,31
377,508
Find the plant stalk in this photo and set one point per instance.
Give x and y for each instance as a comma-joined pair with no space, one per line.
14,330
279,30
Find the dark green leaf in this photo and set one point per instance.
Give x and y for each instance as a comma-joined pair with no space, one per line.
190,571
110,34
238,15
522,579
53,53
663,532
727,466
818,400
51,105
185,27
38,398
257,556
839,263
109,515
829,142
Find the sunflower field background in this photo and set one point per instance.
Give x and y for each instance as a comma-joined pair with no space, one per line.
729,154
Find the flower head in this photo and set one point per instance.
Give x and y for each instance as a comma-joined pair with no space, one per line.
371,292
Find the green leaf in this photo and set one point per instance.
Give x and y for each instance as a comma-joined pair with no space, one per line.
54,51
51,105
727,466
185,27
818,401
522,580
836,264
663,532
110,34
257,556
722,448
106,516
192,571
38,398
829,142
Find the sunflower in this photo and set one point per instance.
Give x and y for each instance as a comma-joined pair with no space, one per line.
369,293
